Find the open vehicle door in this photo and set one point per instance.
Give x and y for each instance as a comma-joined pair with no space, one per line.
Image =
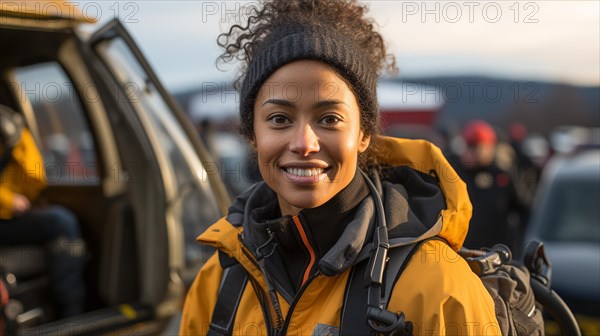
122,156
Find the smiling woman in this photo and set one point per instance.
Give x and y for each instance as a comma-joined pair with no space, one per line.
307,141
293,250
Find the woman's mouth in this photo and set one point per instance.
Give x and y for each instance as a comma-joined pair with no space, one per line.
304,171
305,175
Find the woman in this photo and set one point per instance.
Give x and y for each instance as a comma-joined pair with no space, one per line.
290,245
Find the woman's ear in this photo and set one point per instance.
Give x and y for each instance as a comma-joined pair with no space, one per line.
252,141
364,142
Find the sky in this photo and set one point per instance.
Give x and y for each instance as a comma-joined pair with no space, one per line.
545,40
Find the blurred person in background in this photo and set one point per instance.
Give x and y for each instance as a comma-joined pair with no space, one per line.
497,208
526,172
23,221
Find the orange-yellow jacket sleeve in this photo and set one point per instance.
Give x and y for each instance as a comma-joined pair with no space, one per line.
24,174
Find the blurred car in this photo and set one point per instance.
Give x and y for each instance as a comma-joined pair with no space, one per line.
121,155
566,218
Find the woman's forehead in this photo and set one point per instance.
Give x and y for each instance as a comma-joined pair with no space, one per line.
305,79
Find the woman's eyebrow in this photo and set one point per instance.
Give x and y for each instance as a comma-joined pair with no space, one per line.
319,104
279,102
329,102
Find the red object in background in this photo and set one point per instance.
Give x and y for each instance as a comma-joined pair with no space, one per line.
404,104
479,132
502,180
403,117
517,132
3,303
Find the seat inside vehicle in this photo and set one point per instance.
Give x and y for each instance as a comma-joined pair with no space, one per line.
23,261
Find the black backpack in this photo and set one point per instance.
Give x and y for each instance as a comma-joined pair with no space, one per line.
517,288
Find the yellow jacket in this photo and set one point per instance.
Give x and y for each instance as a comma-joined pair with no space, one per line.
24,174
437,291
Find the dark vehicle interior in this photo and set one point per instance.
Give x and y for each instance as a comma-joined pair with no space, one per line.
85,173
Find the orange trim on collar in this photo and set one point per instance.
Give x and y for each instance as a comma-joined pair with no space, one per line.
311,251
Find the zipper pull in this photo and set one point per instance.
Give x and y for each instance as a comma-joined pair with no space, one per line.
271,292
261,251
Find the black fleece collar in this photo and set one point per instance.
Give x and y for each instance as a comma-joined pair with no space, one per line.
326,223
320,229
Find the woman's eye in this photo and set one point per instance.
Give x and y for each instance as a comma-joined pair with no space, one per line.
330,120
279,119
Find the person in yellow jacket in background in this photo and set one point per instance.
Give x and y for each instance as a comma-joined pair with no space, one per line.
335,196
22,179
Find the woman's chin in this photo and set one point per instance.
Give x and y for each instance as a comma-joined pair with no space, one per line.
301,200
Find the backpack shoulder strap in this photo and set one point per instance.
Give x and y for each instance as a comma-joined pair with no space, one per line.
353,319
232,286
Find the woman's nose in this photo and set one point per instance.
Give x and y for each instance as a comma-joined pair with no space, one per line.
304,141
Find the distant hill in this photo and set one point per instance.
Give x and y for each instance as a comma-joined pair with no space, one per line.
539,106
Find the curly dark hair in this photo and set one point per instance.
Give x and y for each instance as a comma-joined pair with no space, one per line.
348,18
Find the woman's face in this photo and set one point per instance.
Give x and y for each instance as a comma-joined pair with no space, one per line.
307,134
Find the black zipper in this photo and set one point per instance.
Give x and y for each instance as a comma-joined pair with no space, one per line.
264,307
264,298
288,317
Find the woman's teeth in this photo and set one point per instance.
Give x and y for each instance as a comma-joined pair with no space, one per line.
304,172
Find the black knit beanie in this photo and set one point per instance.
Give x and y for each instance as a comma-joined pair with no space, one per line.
300,42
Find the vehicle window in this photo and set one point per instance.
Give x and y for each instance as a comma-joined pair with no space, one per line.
572,212
195,202
66,142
